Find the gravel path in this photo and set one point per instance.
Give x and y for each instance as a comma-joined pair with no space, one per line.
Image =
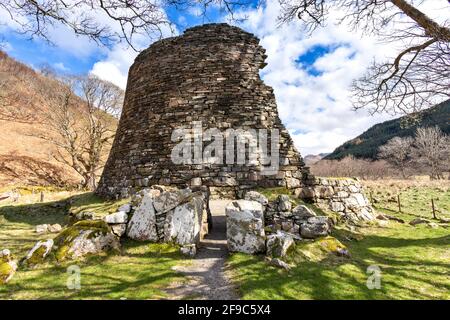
206,273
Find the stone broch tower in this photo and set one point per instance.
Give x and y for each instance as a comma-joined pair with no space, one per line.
209,74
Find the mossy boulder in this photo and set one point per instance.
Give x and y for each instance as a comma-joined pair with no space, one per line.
38,253
8,266
87,237
318,250
334,246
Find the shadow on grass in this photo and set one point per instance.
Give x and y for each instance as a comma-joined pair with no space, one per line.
142,271
36,213
57,211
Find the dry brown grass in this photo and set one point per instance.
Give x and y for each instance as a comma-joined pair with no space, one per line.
25,159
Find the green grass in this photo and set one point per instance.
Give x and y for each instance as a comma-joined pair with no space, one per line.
142,271
139,271
414,261
415,200
90,202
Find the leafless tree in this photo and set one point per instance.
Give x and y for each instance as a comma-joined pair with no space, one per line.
397,152
420,73
432,150
80,116
105,21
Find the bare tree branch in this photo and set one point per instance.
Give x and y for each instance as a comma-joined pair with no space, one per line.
418,77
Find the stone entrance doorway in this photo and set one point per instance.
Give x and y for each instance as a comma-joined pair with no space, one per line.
207,273
217,237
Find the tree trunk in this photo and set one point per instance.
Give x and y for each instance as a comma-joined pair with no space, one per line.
432,29
90,181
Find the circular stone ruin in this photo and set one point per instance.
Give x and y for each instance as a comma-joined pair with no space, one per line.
206,78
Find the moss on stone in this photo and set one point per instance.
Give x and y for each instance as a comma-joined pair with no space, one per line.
37,257
64,240
70,233
316,251
5,271
331,244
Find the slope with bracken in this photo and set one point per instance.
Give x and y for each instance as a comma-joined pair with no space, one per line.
26,158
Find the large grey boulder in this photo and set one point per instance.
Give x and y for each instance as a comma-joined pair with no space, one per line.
315,227
142,225
168,200
278,244
183,223
245,226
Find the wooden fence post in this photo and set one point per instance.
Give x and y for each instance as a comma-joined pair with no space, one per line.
399,204
433,208
42,196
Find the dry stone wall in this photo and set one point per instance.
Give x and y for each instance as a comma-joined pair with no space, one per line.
344,196
210,74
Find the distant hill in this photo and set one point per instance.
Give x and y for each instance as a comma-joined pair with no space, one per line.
366,145
313,158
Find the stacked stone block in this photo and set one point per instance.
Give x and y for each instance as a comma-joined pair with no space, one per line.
344,196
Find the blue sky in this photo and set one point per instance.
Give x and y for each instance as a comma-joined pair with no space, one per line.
310,74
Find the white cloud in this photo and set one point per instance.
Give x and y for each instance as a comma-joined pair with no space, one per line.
118,59
114,67
60,66
315,109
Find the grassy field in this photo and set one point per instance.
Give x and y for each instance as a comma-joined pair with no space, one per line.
140,271
414,261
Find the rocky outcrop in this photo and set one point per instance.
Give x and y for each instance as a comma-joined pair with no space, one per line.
245,227
343,196
8,266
